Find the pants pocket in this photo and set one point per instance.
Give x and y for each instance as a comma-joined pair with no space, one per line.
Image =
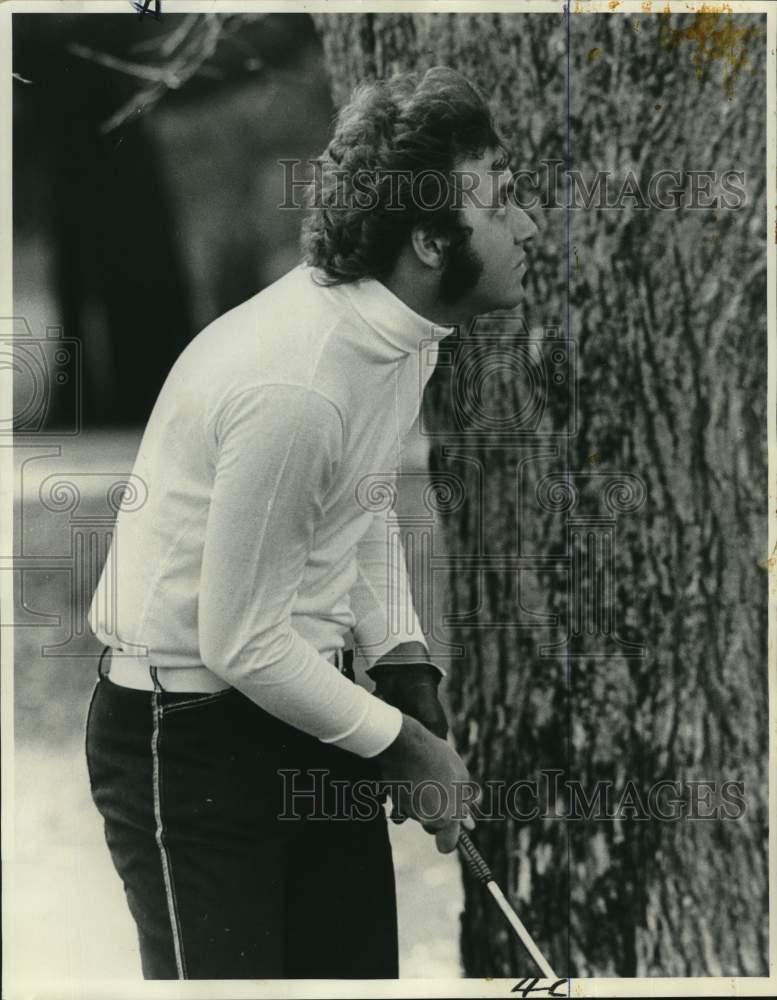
195,701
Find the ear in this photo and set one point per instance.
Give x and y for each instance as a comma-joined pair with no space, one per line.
429,249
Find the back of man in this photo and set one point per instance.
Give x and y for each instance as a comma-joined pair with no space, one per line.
299,345
259,592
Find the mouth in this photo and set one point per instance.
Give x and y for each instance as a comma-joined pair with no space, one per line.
522,266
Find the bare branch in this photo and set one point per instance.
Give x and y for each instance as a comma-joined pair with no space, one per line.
167,45
182,54
142,71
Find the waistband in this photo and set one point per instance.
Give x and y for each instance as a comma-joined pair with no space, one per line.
139,673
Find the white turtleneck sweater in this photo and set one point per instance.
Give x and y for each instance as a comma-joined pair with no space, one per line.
259,545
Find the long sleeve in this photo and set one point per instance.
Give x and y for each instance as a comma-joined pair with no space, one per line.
276,450
381,598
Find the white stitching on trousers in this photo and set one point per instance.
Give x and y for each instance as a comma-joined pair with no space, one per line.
200,700
159,836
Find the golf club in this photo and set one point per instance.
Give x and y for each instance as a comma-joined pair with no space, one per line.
482,872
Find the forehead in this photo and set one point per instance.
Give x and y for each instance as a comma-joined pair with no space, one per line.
480,177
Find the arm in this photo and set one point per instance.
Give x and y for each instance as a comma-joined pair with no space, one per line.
276,450
387,629
381,598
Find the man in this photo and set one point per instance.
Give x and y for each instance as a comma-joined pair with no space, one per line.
254,560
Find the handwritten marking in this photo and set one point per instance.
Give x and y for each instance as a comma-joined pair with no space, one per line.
529,986
142,7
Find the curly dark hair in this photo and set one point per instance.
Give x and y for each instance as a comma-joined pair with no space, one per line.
388,167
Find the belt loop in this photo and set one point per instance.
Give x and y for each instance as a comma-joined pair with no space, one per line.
100,673
155,679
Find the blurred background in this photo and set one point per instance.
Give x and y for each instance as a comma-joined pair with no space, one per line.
126,244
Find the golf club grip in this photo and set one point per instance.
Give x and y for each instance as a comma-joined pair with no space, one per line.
474,859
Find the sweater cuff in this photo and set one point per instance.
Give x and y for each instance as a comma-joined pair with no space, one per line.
376,730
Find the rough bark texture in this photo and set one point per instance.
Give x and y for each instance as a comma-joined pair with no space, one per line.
612,620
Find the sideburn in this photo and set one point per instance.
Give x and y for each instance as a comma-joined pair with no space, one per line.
461,270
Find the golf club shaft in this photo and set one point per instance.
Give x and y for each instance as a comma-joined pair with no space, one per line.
515,922
482,872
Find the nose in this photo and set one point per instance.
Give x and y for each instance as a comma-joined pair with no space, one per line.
524,227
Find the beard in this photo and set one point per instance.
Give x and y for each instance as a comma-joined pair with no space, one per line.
461,271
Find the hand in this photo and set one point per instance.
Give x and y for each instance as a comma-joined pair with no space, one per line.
412,688
437,783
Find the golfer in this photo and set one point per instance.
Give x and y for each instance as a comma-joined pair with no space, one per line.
232,602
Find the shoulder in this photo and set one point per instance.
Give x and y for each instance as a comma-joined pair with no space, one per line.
278,335
280,410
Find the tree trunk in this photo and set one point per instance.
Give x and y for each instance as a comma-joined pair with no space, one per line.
607,474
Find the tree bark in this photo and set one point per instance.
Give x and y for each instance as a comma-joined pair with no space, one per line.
604,531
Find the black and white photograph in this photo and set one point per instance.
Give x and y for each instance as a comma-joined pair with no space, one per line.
388,521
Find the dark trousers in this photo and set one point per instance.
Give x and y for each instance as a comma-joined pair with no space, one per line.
191,790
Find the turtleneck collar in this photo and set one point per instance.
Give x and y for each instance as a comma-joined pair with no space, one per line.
392,318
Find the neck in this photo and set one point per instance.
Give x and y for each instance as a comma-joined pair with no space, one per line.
421,294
